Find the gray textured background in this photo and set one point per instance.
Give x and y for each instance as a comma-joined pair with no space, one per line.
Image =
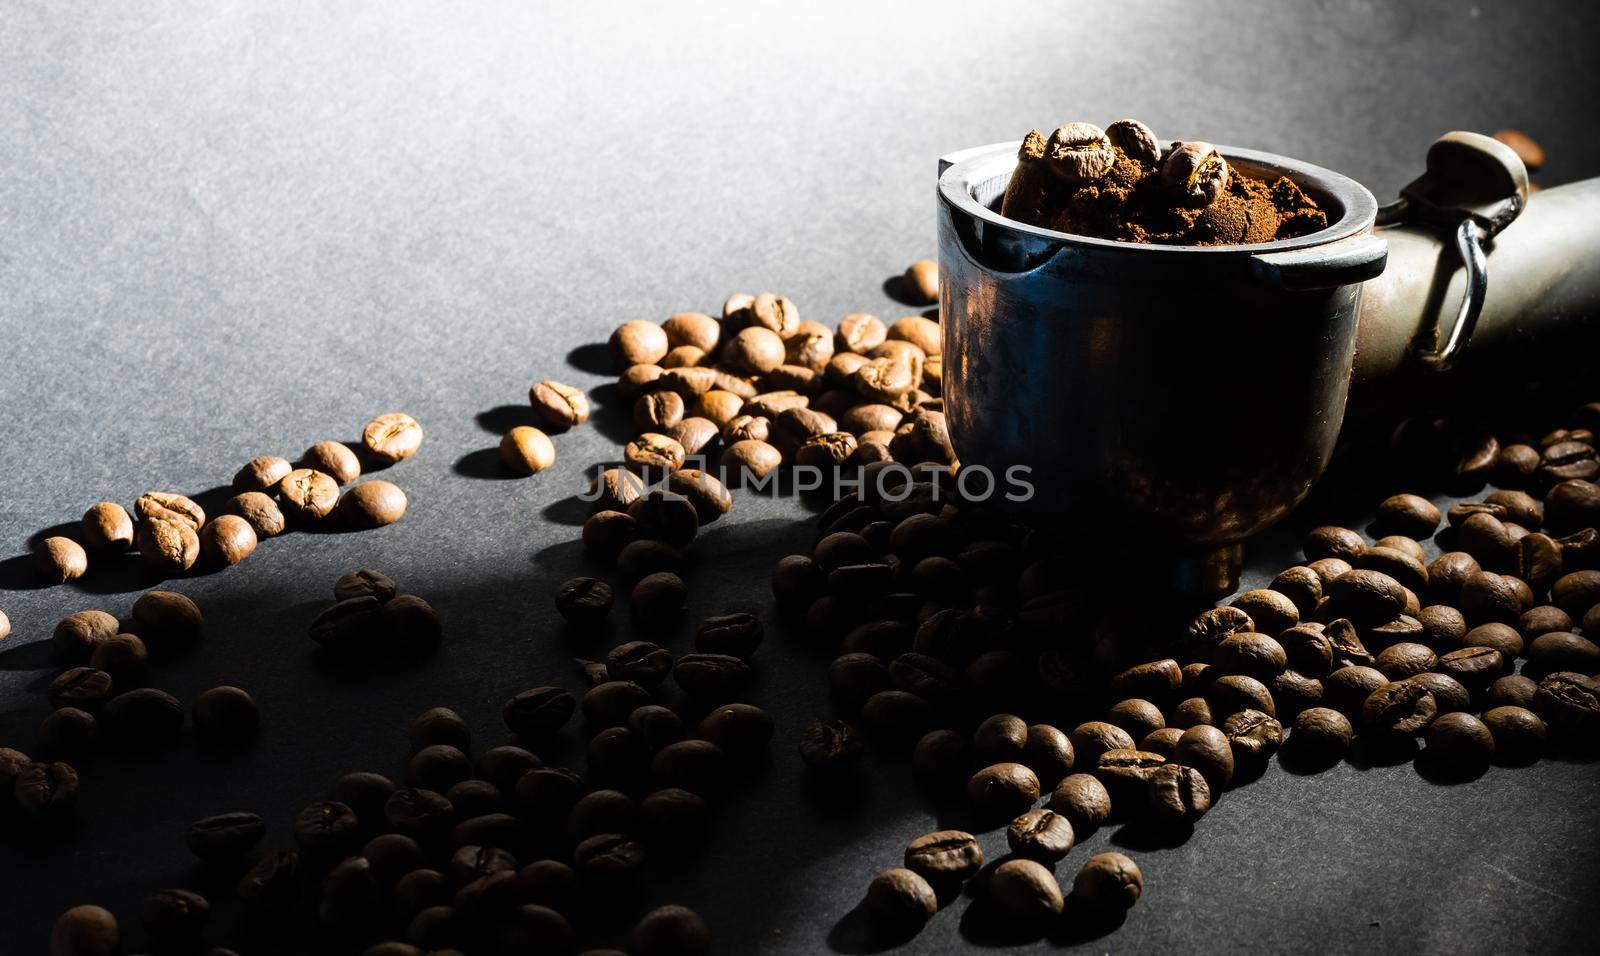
227,231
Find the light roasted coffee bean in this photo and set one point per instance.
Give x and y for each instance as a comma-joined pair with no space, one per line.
392,437
107,528
308,495
260,511
332,458
60,559
373,504
226,540
526,450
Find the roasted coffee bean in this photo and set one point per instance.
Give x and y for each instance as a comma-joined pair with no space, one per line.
1569,506
1308,649
1252,654
175,917
1518,734
169,505
1254,736
1093,738
392,437
1208,750
540,712
1474,667
1447,573
77,635
1577,592
1136,141
526,450
1048,753
85,688
307,495
348,627
831,746
12,763
1126,774
1192,712
438,767
1152,681
1442,627
1109,881
1302,586
225,716
658,411
936,682
270,888
1568,460
226,540
607,533
1410,515
1347,688
477,798
420,889
637,342
945,858
603,811
107,528
608,704
896,717
657,726
224,837
327,829
711,677
1137,717
1178,794
1002,790
1514,690
1400,708
1271,611
412,625
144,716
738,634
1569,703
1499,637
547,794
420,814
1562,651
1366,596
1083,800
704,493
698,766
1321,736
642,662
1403,660
260,511
1542,620
67,732
46,792
392,856
550,883
85,931
1459,744
168,544
942,759
1235,692
373,504
1040,834
558,406
1026,890
332,458
1488,597
349,896
501,830
900,903
1329,541
584,602
1163,741
618,758
741,730
609,859
488,898
671,931
439,725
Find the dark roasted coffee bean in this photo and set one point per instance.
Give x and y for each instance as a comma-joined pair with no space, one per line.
226,836
738,634
1026,890
658,599
1367,596
945,858
1048,753
1518,734
348,900
438,767
609,704
1459,744
85,931
1083,800
609,859
711,677
1569,703
539,712
671,931
1411,515
1093,738
476,798
657,726
618,758
584,601
1151,681
831,747
143,716
698,766
900,903
1208,750
1400,708
1109,881
501,830
1178,794
546,795
439,725
1563,651
1254,736
225,716
67,732
1320,736
1500,637
349,627
1271,611
666,516
1329,541
422,815
641,662
1308,649
550,883
1488,597
363,792
741,730
1002,790
392,856
1443,628
124,657
1347,688
174,917
1040,834
77,635
1137,717
327,829
271,887
1400,661
1252,654
1231,693
1448,693
928,678
419,890
1475,667
46,792
85,688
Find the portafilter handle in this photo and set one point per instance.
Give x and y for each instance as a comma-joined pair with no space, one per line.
1467,217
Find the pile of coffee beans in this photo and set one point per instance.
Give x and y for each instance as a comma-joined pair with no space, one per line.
371,620
102,700
970,640
762,389
173,534
493,853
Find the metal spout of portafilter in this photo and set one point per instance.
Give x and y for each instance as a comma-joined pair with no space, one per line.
1180,399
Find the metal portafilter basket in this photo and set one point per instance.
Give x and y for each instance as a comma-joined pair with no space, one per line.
1176,400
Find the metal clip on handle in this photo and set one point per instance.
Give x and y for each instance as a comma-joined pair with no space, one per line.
1474,186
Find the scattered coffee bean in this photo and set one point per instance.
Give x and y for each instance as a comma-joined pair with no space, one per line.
107,528
1109,881
1040,834
392,437
307,495
527,450
1026,889
373,504
85,931
900,903
226,836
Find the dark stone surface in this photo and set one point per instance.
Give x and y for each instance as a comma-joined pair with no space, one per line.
229,233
